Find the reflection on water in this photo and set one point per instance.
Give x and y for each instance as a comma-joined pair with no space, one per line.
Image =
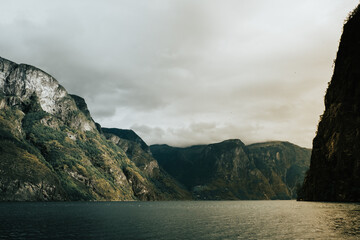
180,220
344,219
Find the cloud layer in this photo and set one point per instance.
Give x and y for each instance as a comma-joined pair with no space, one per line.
186,72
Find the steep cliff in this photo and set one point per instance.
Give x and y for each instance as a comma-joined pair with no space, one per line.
51,149
334,173
231,170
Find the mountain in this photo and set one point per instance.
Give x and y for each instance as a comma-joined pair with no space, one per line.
231,170
334,173
51,148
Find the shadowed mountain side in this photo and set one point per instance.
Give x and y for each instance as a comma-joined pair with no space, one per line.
231,170
334,173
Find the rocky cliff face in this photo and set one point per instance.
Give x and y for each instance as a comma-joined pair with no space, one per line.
334,173
139,153
231,170
51,149
22,83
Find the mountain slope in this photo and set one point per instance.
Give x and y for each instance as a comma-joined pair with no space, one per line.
139,153
127,134
283,164
334,173
51,149
231,170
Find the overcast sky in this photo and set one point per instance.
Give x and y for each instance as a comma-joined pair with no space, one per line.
186,72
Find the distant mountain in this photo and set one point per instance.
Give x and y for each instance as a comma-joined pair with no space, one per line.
334,173
231,170
51,149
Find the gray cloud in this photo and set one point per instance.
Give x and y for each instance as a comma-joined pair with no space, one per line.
186,72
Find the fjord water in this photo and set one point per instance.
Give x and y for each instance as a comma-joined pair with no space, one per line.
180,220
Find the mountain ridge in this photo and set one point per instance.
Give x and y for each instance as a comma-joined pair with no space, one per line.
232,170
51,149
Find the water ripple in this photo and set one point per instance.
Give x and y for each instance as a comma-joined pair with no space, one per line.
210,220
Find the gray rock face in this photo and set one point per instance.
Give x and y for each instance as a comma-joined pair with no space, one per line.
20,82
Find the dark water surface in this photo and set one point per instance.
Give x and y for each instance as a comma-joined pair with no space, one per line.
180,220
